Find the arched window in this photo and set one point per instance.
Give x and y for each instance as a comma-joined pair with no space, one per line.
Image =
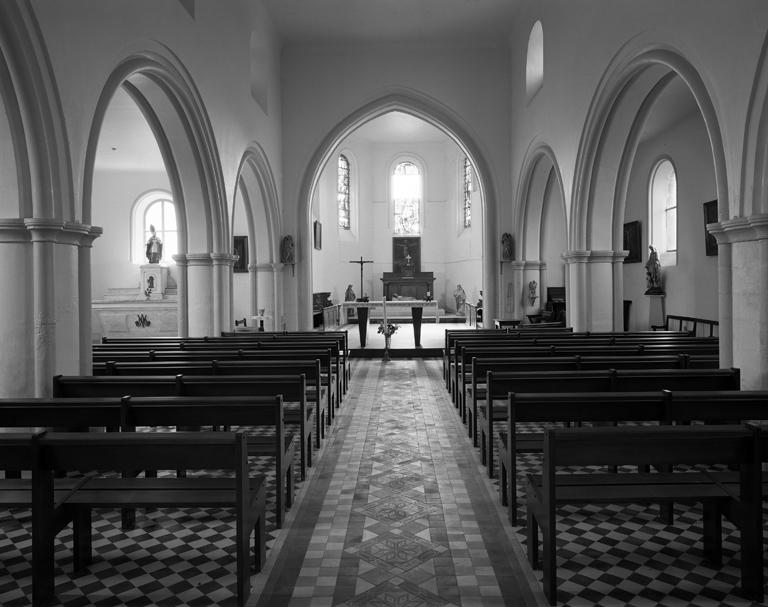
663,211
406,199
155,209
534,66
342,193
468,187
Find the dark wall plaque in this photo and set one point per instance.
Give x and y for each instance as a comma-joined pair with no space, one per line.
406,255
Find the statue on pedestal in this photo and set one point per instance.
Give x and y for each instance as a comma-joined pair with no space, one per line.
461,297
154,250
653,273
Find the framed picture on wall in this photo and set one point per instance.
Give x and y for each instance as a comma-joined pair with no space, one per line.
710,216
632,236
240,248
318,235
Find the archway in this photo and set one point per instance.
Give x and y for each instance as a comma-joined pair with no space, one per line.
418,106
171,105
618,117
255,215
541,240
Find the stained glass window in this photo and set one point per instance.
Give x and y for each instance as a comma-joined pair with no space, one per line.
406,198
342,193
467,204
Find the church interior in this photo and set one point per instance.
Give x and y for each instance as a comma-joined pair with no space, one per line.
488,280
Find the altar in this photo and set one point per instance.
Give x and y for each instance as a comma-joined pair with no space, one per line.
418,285
363,307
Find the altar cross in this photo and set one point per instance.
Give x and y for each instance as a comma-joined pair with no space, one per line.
361,262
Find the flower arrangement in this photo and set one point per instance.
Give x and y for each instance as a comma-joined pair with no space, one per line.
388,328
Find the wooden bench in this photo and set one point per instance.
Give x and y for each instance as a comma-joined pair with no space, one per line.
119,452
45,497
126,413
687,323
663,446
475,388
499,385
464,352
320,394
79,387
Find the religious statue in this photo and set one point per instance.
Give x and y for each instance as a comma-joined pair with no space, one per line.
154,250
653,272
287,254
506,247
349,295
461,297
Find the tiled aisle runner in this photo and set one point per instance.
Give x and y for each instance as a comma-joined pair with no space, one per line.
405,515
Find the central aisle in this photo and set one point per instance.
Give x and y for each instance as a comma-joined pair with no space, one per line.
399,510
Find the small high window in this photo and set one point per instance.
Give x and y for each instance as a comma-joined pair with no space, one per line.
534,66
154,210
406,199
468,187
663,211
342,193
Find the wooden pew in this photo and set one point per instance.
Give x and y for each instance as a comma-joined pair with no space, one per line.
125,413
125,451
320,395
329,361
465,352
499,385
45,497
475,388
663,447
108,386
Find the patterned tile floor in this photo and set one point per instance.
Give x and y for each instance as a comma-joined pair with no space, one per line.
397,511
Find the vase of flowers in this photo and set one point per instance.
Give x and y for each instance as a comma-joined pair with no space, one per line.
387,329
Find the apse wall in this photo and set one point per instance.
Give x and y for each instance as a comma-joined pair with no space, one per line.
452,253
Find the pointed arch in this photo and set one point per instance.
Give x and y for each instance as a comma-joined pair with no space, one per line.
438,115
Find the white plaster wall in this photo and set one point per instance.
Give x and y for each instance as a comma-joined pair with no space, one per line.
17,334
87,38
691,285
580,40
114,193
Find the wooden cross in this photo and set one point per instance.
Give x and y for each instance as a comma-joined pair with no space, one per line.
361,262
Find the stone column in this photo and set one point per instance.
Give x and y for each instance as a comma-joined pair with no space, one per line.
743,244
576,291
514,289
200,294
183,295
222,291
724,295
43,233
85,296
253,275
17,356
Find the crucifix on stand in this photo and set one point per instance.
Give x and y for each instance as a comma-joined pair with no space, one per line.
362,312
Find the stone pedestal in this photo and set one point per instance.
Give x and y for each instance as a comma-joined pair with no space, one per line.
655,309
154,279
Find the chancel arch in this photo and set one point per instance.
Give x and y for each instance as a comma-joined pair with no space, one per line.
442,118
616,141
172,108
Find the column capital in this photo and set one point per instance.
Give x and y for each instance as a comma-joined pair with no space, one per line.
13,230
199,259
223,259
740,229
180,259
44,229
594,256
